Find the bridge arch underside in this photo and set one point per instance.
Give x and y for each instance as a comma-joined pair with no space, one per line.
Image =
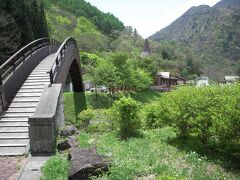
71,66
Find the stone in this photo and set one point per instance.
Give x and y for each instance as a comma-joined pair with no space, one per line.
68,143
86,163
69,131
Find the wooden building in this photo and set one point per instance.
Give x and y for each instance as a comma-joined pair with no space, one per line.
163,79
181,80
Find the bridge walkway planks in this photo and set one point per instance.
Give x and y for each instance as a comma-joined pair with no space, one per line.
14,127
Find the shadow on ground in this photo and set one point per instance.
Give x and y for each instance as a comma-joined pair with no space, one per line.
229,158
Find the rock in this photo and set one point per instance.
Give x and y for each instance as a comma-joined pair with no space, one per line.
69,131
86,163
68,143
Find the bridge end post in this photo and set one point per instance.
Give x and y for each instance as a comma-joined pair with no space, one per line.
47,118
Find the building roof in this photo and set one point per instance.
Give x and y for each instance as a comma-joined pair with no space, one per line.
170,78
166,74
182,78
231,78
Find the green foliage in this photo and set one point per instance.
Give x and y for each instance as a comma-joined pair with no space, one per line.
56,167
85,117
106,22
63,24
207,30
22,21
84,140
101,100
208,115
98,120
211,115
74,103
152,155
119,73
129,122
89,59
146,97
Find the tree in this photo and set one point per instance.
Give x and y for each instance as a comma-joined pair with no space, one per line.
135,35
9,36
43,28
120,73
129,122
106,74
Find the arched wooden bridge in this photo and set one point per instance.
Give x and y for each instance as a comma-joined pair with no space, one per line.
31,82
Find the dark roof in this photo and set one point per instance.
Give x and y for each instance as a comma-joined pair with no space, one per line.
179,77
170,78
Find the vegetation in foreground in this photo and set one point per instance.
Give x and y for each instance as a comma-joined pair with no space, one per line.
152,154
190,133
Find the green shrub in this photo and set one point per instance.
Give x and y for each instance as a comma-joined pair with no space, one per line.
85,117
129,123
163,113
56,167
98,120
101,100
210,115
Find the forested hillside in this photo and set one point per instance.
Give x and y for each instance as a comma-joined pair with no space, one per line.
63,21
97,33
105,22
213,33
20,23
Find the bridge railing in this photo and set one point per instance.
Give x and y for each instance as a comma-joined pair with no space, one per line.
13,64
59,57
14,61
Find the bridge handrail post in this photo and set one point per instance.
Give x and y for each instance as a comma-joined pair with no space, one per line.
51,76
1,93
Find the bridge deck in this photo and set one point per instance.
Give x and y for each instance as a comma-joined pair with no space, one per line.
14,128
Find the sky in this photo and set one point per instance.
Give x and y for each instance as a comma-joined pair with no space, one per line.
148,16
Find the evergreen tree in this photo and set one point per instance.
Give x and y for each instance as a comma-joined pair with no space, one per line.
42,22
24,22
135,35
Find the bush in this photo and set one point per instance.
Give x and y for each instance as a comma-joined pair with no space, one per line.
129,123
163,113
101,100
209,115
98,120
85,117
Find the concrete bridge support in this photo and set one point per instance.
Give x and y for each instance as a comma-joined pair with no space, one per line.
48,117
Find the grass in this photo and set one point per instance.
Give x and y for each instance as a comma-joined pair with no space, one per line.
147,96
153,155
149,156
56,167
74,103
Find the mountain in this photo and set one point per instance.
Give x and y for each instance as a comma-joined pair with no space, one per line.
212,32
228,4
